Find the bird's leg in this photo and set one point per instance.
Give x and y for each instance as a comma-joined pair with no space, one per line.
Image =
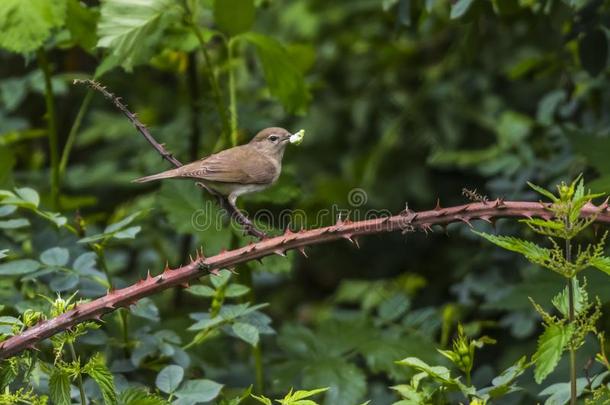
229,205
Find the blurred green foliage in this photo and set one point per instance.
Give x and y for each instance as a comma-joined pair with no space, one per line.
408,100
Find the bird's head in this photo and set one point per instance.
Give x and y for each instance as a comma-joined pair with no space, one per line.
272,141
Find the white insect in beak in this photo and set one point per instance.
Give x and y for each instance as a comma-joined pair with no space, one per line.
297,137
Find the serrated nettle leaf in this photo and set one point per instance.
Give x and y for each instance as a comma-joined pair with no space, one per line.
56,256
220,279
201,290
59,387
234,16
601,263
97,370
131,28
581,299
139,396
262,399
26,25
169,379
246,332
551,345
297,397
236,290
283,78
530,250
19,267
543,191
196,391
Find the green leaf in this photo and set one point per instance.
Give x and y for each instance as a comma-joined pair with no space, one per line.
438,373
460,8
130,28
138,396
3,253
129,233
26,25
169,378
97,370
14,223
117,230
220,279
18,267
188,213
6,210
234,16
246,332
146,308
81,21
346,382
196,391
601,263
593,51
543,191
581,299
8,372
513,128
551,345
59,387
284,79
236,290
262,399
297,397
117,226
201,290
85,262
530,250
55,256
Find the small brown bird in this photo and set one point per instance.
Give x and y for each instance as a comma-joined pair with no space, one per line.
239,170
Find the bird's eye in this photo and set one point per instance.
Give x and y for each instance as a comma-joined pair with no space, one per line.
273,138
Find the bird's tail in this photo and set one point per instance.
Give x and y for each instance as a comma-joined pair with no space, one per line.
163,175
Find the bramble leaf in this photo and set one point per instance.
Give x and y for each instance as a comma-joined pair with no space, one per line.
285,80
26,25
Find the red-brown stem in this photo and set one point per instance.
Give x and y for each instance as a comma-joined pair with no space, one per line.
406,221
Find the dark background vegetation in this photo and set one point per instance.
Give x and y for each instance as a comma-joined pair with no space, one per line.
408,100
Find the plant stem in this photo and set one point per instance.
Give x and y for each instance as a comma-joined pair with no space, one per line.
52,127
568,254
245,277
81,389
73,131
210,70
232,93
122,313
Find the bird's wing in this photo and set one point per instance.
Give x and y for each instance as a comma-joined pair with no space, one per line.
235,165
